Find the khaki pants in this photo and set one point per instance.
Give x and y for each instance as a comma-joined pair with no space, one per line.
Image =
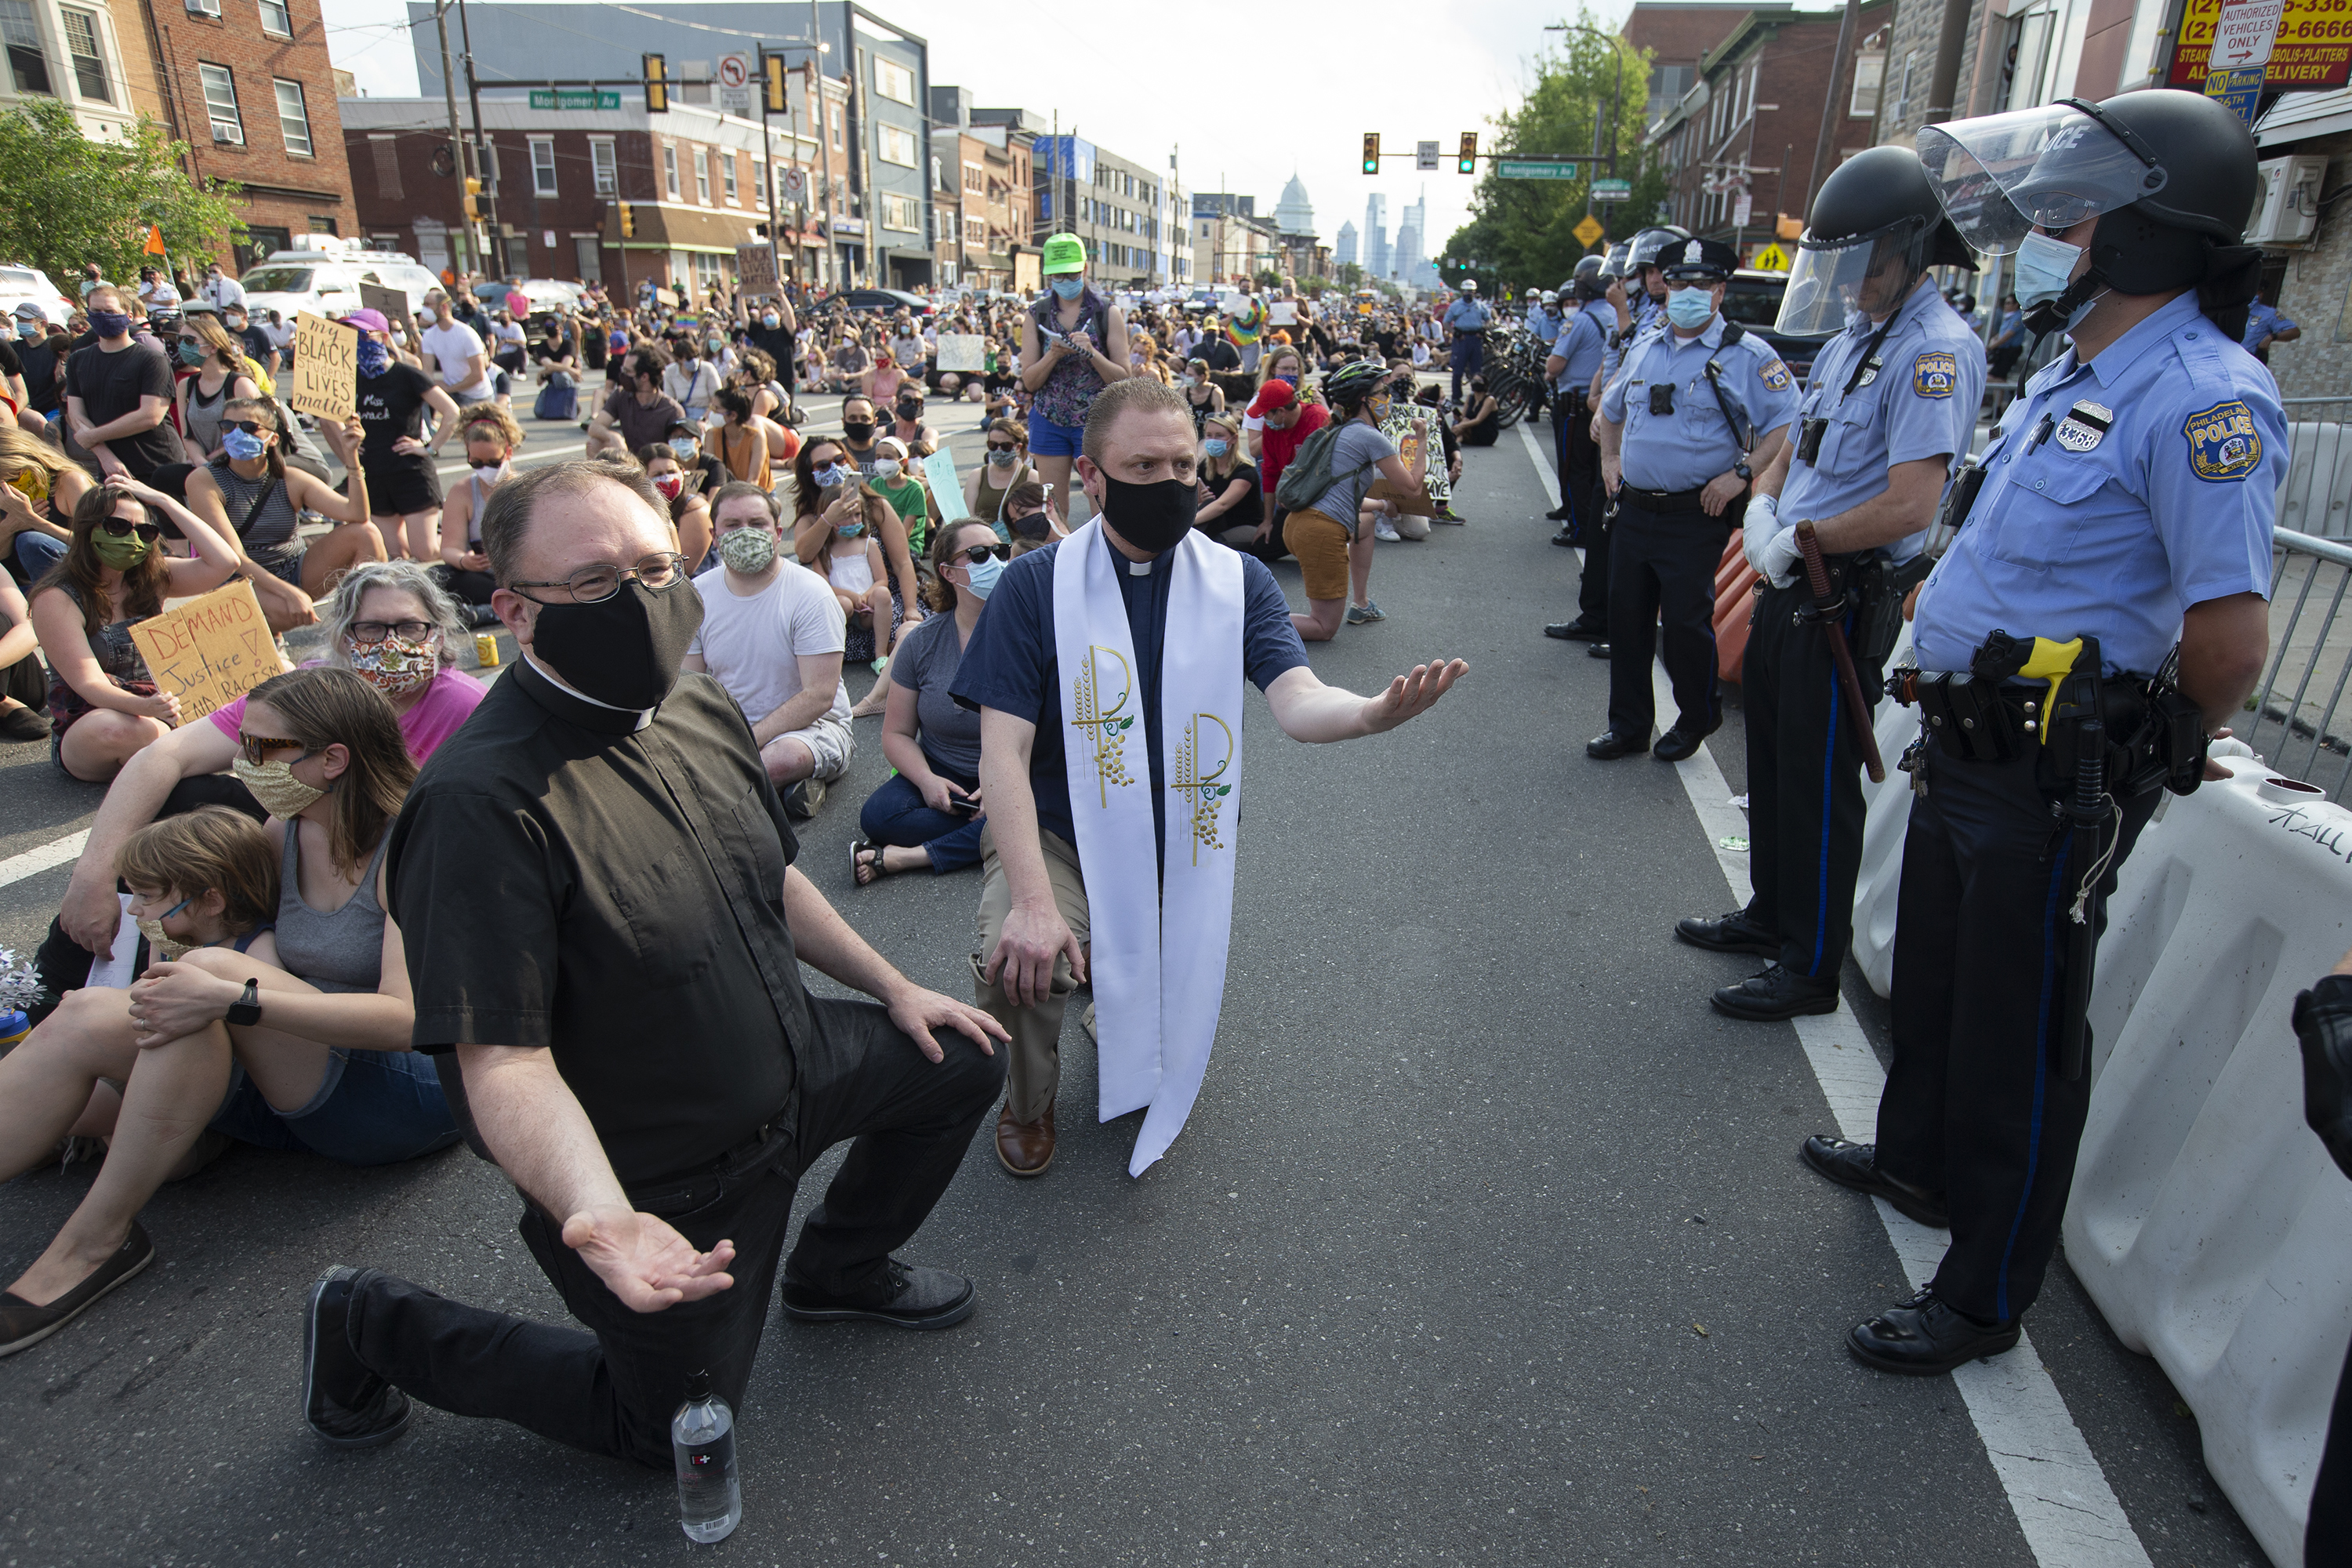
1035,1069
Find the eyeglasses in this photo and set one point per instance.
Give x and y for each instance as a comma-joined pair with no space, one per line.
252,426
122,528
973,554
594,584
377,631
257,748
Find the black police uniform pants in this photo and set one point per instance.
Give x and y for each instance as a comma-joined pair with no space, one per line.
1577,457
1974,1108
1804,782
614,1389
1661,568
2327,1536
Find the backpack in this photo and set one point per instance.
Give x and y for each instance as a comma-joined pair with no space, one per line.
1309,475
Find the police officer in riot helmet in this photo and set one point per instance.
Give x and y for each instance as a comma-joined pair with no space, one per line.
1891,402
1569,370
2096,612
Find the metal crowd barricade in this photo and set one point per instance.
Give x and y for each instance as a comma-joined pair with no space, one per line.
2316,497
2298,719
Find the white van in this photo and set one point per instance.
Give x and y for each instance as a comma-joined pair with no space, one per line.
326,283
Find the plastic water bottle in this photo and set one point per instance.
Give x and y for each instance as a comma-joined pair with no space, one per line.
702,1444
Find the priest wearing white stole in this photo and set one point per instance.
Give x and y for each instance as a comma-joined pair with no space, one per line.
1111,842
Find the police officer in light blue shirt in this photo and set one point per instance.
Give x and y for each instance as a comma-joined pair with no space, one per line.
2265,326
1645,291
1682,429
1892,402
1469,317
1543,320
2122,514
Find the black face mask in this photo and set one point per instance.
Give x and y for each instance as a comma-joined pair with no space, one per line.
910,411
1037,525
625,650
857,429
1153,517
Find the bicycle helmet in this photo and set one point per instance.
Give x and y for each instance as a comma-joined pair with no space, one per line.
1349,385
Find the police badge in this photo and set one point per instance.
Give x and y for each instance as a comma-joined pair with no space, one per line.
2085,427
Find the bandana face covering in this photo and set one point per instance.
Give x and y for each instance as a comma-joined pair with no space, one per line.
396,666
670,485
374,358
281,794
625,650
749,550
121,553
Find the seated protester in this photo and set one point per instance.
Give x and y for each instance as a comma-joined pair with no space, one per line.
1289,418
928,812
898,481
1282,363
103,704
1204,396
857,432
772,635
251,494
299,1042
24,685
686,438
689,507
1005,469
1443,477
739,447
39,487
1232,509
221,375
851,563
490,436
636,412
1478,427
559,373
771,406
1028,520
906,422
829,495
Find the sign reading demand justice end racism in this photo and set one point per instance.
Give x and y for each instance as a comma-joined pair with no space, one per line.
212,649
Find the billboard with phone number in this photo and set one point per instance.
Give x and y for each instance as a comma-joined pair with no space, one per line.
2314,46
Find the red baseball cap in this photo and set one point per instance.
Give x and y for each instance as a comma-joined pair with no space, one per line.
1272,395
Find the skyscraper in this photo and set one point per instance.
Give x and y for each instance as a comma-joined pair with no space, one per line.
1344,255
1412,241
1376,234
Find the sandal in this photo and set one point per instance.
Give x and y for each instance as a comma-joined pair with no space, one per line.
878,866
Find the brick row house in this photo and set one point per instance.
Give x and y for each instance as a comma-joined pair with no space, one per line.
981,196
246,84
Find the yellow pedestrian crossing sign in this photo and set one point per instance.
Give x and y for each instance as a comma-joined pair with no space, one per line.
1588,231
1771,258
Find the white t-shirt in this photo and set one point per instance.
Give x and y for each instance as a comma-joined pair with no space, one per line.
451,344
222,290
750,644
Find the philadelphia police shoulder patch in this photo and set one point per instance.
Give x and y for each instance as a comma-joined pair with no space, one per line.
1773,373
1935,373
2223,444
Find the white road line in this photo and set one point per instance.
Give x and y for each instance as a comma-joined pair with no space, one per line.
2069,1515
16,868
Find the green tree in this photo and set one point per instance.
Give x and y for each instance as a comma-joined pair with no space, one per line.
74,198
1522,232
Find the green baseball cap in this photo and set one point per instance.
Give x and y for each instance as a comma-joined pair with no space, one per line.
1064,253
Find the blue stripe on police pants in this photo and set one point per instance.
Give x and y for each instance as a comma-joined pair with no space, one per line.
2041,1074
1829,780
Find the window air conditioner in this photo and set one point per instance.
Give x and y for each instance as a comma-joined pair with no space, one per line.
204,7
2288,212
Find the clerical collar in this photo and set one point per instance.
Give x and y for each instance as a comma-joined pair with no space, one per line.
594,719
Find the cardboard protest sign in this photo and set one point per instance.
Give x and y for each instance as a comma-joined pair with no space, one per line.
393,302
938,472
1282,313
755,268
326,379
1413,500
210,650
963,352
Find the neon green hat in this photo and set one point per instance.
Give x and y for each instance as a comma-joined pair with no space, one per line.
1064,253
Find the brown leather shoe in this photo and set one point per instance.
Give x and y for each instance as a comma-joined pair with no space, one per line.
1024,1148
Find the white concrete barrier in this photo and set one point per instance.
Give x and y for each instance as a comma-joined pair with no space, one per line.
2206,1221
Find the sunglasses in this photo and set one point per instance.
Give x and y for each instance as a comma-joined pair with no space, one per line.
972,555
252,427
257,748
122,528
1002,447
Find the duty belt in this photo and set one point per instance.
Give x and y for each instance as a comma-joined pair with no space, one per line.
1661,500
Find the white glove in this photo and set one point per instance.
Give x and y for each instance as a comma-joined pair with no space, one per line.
1782,559
1761,522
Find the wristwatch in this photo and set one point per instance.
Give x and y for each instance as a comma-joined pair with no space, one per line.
1742,470
247,1009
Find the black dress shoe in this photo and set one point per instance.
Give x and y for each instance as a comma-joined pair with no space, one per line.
1925,1337
1580,629
1683,741
1734,932
1856,1166
1612,744
1565,539
1596,650
902,1297
1778,993
345,1403
1561,513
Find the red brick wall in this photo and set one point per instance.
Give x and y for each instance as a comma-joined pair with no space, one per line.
1678,35
290,192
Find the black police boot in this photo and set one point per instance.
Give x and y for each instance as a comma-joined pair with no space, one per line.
1612,744
1585,629
1778,993
1926,1336
345,1403
1559,513
1597,650
1737,931
1684,739
1856,1166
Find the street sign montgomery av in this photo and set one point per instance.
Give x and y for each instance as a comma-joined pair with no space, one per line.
565,98
1535,168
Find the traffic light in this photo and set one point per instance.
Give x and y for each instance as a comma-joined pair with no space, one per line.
657,85
775,68
1469,161
473,207
628,222
1372,152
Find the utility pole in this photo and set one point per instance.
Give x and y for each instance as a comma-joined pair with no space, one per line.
457,143
495,244
1824,147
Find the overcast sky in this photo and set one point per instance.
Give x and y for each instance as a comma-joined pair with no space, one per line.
1307,81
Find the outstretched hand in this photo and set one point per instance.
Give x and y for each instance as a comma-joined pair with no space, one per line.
919,1012
644,1262
1410,695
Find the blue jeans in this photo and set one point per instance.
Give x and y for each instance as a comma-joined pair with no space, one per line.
896,814
36,553
371,1109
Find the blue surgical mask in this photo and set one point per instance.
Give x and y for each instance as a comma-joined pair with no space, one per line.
850,529
1216,448
1069,287
984,574
770,320
684,449
1690,308
2044,267
28,330
241,445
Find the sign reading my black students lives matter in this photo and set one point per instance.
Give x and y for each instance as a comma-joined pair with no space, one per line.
326,368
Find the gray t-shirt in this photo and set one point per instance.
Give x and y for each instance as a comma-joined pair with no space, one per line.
926,665
1357,446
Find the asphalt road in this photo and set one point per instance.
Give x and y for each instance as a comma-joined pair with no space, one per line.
1487,1242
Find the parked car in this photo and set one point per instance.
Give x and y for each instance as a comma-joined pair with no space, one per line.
327,284
31,286
1753,300
547,295
885,299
